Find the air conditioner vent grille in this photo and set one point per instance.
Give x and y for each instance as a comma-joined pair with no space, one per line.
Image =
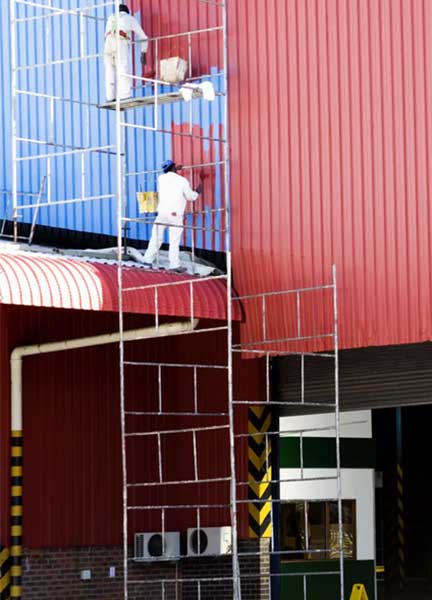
199,541
155,545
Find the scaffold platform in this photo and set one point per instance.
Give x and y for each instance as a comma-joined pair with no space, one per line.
135,102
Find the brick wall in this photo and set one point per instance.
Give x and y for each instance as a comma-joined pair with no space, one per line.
55,574
255,569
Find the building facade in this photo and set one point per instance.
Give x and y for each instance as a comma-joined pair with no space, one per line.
330,138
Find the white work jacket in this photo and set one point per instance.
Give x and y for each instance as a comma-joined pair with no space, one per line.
174,191
128,25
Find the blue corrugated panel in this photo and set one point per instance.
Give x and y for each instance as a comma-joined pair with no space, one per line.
5,130
64,124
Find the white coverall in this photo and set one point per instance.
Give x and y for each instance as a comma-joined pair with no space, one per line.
128,24
174,191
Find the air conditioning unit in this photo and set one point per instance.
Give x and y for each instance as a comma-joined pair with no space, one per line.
157,546
209,541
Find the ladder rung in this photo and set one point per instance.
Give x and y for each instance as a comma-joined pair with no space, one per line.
138,413
185,482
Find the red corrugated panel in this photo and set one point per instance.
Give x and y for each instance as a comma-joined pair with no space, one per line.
72,457
171,17
331,131
168,17
69,283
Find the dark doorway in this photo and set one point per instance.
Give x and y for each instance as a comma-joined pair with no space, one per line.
403,502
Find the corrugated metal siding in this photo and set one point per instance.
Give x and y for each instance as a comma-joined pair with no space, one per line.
63,282
369,378
72,468
5,129
331,133
331,150
78,125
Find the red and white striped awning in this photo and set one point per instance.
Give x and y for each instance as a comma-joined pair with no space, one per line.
63,282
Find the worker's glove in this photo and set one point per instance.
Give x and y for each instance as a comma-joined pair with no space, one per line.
143,58
199,188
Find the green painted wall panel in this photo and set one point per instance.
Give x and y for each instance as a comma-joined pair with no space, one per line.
289,449
326,587
320,453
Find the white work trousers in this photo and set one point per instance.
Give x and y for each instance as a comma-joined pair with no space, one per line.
124,85
175,230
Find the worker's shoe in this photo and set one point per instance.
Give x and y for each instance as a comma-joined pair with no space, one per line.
147,265
179,270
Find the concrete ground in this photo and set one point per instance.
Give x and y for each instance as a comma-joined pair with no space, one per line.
414,591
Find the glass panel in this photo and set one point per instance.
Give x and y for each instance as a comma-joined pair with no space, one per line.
317,530
292,526
323,530
348,529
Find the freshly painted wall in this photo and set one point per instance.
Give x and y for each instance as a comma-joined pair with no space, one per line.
331,147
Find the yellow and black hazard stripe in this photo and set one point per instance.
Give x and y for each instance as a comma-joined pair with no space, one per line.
260,472
16,513
4,573
400,525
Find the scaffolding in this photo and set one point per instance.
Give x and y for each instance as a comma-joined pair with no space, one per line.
311,324
153,426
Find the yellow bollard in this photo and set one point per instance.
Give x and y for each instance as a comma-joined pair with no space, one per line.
358,592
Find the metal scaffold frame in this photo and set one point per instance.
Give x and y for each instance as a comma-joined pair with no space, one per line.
299,343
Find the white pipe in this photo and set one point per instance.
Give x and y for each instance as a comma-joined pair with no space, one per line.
20,352
16,359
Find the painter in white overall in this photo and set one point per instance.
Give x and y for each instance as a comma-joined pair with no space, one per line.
174,191
127,25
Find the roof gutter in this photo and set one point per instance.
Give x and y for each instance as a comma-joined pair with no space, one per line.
16,367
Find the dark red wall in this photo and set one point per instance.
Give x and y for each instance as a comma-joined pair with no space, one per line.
72,455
